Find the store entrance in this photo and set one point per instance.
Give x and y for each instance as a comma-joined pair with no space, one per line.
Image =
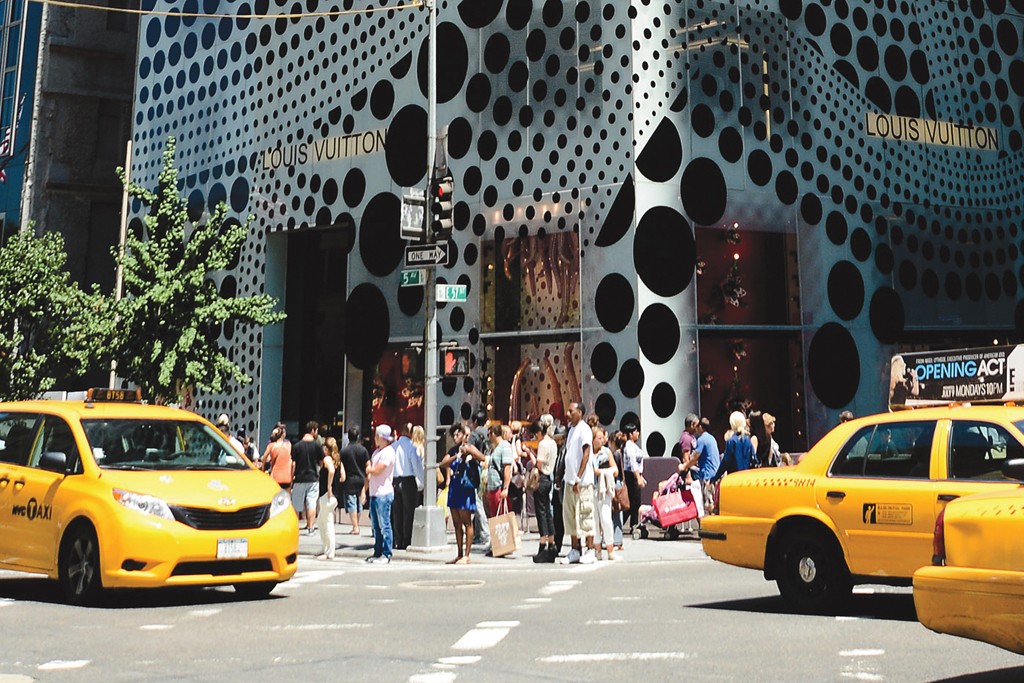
527,377
313,362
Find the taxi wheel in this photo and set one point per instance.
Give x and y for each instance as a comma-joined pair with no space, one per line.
258,589
79,565
811,576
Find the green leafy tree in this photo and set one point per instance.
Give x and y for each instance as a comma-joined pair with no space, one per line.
49,328
171,314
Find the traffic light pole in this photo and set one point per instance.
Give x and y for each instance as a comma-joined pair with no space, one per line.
428,533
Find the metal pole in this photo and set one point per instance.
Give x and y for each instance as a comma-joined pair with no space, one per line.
428,532
119,278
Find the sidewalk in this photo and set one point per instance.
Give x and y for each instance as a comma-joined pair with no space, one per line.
361,546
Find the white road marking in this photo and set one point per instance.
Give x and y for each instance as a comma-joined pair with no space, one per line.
315,576
480,638
433,677
384,601
497,624
317,627
612,657
459,660
623,598
862,676
6,601
208,612
538,600
557,587
861,653
607,622
63,664
847,618
156,627
15,678
532,606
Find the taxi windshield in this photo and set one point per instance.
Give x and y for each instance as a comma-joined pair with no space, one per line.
135,444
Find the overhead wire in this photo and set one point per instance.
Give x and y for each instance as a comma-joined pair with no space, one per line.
212,15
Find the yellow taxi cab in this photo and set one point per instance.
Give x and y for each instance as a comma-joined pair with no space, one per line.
976,589
100,494
861,505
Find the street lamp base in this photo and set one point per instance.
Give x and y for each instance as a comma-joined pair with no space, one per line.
428,530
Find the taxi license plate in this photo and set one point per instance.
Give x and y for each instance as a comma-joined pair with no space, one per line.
232,548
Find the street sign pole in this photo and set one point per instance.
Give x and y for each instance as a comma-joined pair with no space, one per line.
428,533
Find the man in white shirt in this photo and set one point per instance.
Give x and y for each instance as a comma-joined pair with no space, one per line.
578,484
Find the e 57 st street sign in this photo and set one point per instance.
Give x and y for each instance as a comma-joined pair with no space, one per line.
420,255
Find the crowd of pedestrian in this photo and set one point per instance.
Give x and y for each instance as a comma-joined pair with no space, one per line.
582,481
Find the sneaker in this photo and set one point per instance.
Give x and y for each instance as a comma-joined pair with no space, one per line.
588,557
573,557
383,559
371,559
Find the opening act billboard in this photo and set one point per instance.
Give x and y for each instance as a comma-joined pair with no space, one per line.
990,374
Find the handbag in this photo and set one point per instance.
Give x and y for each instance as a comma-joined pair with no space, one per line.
533,479
621,499
675,507
505,538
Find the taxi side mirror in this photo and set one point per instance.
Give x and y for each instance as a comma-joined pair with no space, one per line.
1014,469
55,461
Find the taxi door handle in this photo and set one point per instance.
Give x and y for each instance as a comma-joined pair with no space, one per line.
946,497
5,480
19,483
836,494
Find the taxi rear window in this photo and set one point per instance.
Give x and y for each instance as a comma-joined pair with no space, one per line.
159,445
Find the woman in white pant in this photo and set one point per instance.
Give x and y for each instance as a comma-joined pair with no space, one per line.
332,475
605,480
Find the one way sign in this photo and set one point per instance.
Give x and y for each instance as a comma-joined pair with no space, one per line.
420,255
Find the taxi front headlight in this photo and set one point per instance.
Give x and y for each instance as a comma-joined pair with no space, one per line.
281,502
150,505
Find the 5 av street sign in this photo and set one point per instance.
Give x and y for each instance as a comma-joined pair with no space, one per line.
419,255
413,278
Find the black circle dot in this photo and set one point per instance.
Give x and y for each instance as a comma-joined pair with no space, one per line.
663,399
603,362
833,365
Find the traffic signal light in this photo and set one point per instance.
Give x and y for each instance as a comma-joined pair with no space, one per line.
441,205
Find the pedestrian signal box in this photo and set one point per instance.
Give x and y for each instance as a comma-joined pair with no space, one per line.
455,362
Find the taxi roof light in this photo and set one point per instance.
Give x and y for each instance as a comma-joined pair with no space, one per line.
104,395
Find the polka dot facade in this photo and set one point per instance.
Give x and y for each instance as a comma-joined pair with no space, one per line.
629,125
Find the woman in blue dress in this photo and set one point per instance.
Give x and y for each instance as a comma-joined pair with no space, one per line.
464,461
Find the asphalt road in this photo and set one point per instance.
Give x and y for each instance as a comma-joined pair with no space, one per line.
673,615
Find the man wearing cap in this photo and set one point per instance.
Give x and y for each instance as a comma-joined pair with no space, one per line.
224,425
380,472
633,464
709,459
